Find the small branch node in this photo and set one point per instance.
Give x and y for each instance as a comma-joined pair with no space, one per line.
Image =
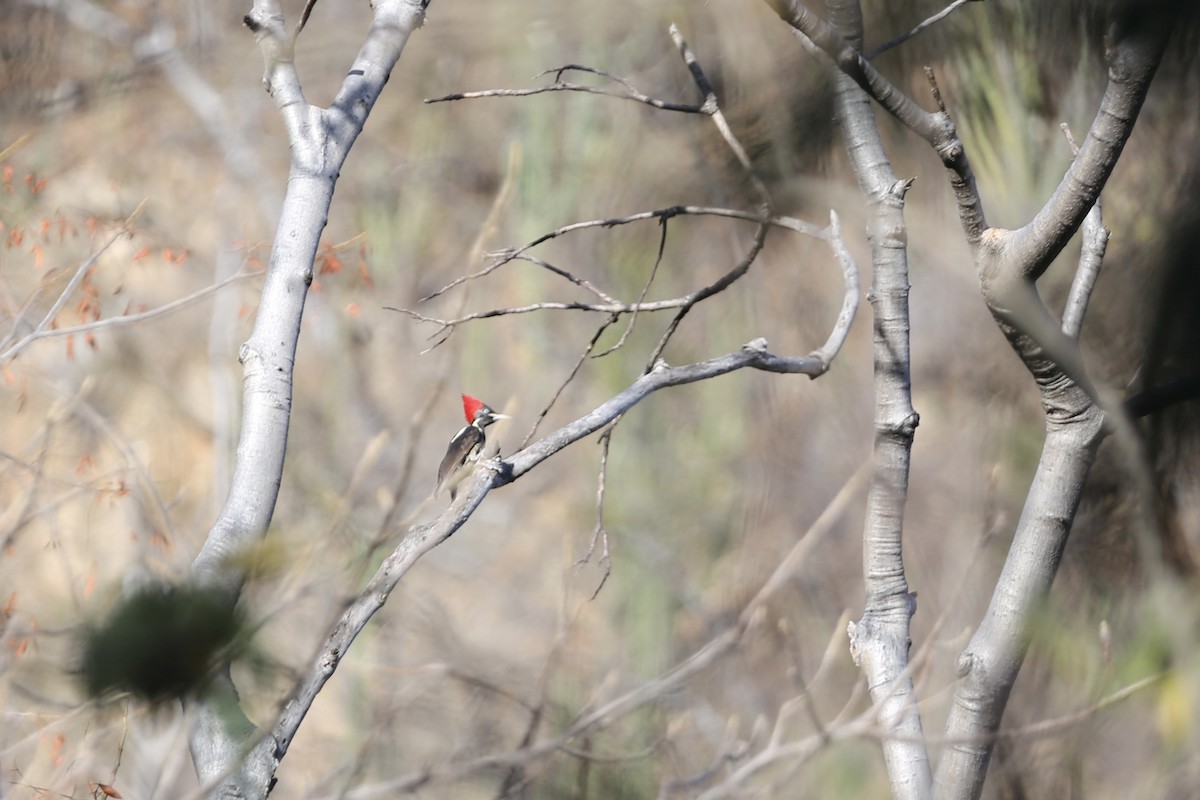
1066,129
900,188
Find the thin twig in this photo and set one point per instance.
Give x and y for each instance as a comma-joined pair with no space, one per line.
700,295
546,265
599,533
502,257
124,319
830,234
579,362
568,87
1070,137
713,109
904,37
82,270
715,649
662,245
1051,727
599,308
627,91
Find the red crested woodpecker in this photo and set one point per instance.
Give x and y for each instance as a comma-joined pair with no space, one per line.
467,445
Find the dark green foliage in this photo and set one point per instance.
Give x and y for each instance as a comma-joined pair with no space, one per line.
161,643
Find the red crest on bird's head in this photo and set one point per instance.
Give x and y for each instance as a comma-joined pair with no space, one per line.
471,407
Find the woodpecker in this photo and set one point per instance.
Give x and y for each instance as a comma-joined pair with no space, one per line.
467,445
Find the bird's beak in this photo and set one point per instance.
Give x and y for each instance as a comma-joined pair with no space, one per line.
500,416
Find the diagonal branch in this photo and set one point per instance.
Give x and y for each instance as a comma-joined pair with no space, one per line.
662,246
921,27
43,329
490,475
1077,418
422,539
579,362
1091,256
705,292
851,62
493,474
1133,49
936,128
124,319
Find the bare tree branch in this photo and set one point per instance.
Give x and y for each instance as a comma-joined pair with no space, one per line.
1009,262
713,109
600,533
626,92
1133,48
610,305
935,128
503,257
493,474
1006,258
304,15
124,319
320,140
41,329
582,283
579,362
880,640
718,647
662,246
830,234
1091,257
921,27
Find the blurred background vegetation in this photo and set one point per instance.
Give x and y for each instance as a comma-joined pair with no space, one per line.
115,448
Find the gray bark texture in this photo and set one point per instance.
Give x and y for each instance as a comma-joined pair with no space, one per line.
1077,415
1009,263
880,640
228,758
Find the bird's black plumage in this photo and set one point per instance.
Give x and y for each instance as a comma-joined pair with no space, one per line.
467,445
464,448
